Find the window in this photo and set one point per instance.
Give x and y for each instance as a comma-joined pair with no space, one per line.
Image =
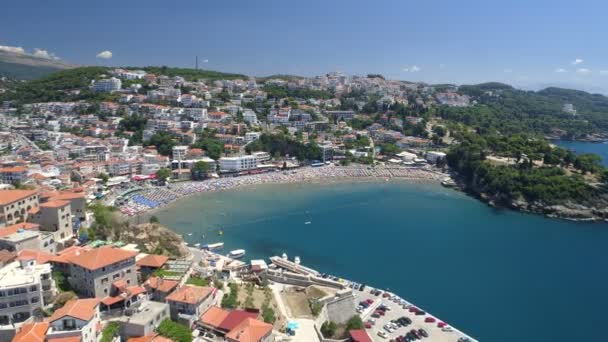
34,300
33,288
69,324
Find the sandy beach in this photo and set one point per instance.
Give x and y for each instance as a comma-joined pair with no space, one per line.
151,199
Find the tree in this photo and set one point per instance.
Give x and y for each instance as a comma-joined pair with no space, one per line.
104,177
328,328
153,219
163,173
174,331
163,141
354,323
110,332
200,170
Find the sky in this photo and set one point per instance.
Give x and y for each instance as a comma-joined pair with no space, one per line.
530,44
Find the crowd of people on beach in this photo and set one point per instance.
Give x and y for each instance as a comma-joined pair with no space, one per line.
155,197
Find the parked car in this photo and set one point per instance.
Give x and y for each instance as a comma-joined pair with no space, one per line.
423,333
382,334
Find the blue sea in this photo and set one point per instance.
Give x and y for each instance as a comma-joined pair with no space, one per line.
579,147
498,275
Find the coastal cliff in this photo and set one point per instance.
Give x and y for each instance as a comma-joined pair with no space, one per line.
149,237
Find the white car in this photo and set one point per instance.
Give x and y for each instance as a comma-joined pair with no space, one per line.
447,329
382,334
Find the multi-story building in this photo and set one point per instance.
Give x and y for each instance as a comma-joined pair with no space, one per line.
93,272
55,217
13,175
143,319
189,302
15,205
25,287
236,164
77,320
107,85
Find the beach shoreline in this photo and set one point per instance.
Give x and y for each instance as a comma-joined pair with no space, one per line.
325,175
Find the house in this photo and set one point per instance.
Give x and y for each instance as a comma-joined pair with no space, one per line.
78,318
250,330
159,288
143,320
32,332
151,263
15,205
55,217
93,272
25,287
236,325
189,301
13,175
154,337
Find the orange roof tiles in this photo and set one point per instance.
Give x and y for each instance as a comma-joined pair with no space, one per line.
54,204
64,339
83,309
101,257
152,260
32,332
10,196
8,230
13,169
214,316
162,285
40,256
250,330
190,294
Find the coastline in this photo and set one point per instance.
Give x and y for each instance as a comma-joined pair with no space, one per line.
324,175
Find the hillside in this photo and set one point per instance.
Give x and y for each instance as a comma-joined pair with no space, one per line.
23,66
191,74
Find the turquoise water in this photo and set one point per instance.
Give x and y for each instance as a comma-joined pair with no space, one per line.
496,274
600,149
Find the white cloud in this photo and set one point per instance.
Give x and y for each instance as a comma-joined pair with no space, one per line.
583,71
14,49
561,70
44,54
106,54
577,61
604,72
413,68
508,71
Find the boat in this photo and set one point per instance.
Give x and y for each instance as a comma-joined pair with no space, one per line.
214,246
284,256
189,234
296,260
307,222
237,253
197,245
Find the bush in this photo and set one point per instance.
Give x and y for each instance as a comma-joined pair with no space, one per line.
354,323
316,307
174,331
268,314
110,331
230,300
198,281
328,329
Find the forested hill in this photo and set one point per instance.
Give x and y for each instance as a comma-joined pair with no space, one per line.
512,111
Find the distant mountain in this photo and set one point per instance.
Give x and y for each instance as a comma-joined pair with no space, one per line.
23,66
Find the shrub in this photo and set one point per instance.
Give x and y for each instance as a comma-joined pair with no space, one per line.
174,331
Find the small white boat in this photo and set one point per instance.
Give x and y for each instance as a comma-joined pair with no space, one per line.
296,260
284,256
307,222
197,245
189,234
214,246
237,253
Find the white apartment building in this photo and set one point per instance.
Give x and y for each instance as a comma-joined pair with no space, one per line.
24,288
236,164
251,136
107,85
250,117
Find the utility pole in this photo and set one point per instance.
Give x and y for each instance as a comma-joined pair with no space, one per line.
196,64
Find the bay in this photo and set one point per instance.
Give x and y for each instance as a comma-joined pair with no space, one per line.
498,275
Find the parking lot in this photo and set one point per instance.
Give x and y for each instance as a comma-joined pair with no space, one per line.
400,308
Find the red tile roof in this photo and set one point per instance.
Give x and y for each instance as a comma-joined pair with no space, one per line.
32,332
235,318
360,335
153,337
40,256
152,260
101,257
190,294
83,309
10,196
162,285
250,330
54,204
8,230
214,316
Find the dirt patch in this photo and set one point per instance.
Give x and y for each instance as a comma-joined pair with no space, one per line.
297,303
254,297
